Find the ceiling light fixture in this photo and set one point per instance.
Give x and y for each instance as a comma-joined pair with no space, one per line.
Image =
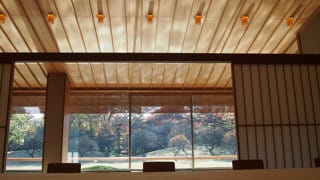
2,18
100,18
149,17
290,21
198,18
51,18
244,19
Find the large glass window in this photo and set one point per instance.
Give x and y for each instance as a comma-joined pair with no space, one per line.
26,133
214,131
118,132
161,130
99,132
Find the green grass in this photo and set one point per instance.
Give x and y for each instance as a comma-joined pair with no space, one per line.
99,168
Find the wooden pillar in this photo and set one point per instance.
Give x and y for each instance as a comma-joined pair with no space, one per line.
56,121
6,73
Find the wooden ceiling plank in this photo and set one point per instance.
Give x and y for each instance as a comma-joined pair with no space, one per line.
86,74
57,29
164,24
293,48
103,33
13,33
168,77
34,16
204,74
27,75
238,30
193,74
74,74
256,25
157,74
149,29
117,23
122,70
146,73
70,24
216,74
180,22
99,74
192,34
130,23
15,85
277,17
225,19
182,70
135,73
282,28
291,34
5,43
222,38
15,12
38,74
224,76
111,73
86,24
20,80
210,27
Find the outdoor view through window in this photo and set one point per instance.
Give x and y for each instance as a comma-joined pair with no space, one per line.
118,132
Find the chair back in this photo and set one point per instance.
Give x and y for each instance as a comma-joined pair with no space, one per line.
64,168
158,166
247,164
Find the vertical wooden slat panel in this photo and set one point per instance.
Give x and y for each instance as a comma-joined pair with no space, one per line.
239,94
287,147
265,94
248,94
279,147
243,144
292,108
270,147
298,93
262,154
252,143
274,94
305,146
282,94
296,147
315,92
256,95
307,91
313,143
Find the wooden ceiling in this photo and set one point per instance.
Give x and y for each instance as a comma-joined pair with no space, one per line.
93,76
126,29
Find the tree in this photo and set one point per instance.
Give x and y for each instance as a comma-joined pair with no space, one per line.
18,130
211,137
179,142
143,141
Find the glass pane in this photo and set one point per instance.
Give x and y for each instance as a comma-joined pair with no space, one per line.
99,132
26,134
214,131
161,130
